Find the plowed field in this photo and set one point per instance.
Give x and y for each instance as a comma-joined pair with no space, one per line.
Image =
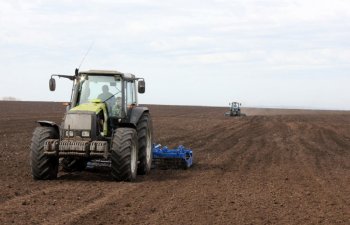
271,167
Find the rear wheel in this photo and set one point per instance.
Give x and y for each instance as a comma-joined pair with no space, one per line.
124,154
144,134
43,167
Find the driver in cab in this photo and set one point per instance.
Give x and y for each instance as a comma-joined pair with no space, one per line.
107,96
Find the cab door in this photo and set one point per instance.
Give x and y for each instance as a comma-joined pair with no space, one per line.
130,95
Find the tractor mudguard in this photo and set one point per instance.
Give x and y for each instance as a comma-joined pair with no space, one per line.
136,114
46,123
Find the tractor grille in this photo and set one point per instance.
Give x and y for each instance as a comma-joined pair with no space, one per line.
98,148
74,148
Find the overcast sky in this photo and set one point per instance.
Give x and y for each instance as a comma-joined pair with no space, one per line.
270,53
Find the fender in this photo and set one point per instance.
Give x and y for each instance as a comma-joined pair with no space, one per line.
45,123
136,114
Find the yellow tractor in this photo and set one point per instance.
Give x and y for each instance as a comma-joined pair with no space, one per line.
103,123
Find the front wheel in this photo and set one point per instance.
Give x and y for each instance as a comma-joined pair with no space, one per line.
124,154
43,167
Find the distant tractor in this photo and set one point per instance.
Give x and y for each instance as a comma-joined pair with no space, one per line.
235,109
103,123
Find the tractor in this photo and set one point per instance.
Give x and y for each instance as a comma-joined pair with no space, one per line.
103,123
235,109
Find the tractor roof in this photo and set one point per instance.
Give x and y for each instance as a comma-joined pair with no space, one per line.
102,72
108,72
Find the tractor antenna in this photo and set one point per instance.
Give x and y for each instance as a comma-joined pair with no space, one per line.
87,52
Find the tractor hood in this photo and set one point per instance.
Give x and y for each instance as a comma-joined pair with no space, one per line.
93,106
80,117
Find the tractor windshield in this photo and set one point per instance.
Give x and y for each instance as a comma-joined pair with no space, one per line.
105,88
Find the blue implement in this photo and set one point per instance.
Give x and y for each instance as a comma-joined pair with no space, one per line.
165,158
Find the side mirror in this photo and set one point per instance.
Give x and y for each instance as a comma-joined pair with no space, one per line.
52,84
141,86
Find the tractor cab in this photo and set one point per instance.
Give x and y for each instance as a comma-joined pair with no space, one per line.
115,89
235,106
101,89
109,96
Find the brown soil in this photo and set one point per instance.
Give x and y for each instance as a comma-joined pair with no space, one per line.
271,167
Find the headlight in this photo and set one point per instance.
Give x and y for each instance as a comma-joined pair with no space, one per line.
69,133
85,133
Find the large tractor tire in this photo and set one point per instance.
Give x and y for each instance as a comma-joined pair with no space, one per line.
43,167
144,134
124,154
71,164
